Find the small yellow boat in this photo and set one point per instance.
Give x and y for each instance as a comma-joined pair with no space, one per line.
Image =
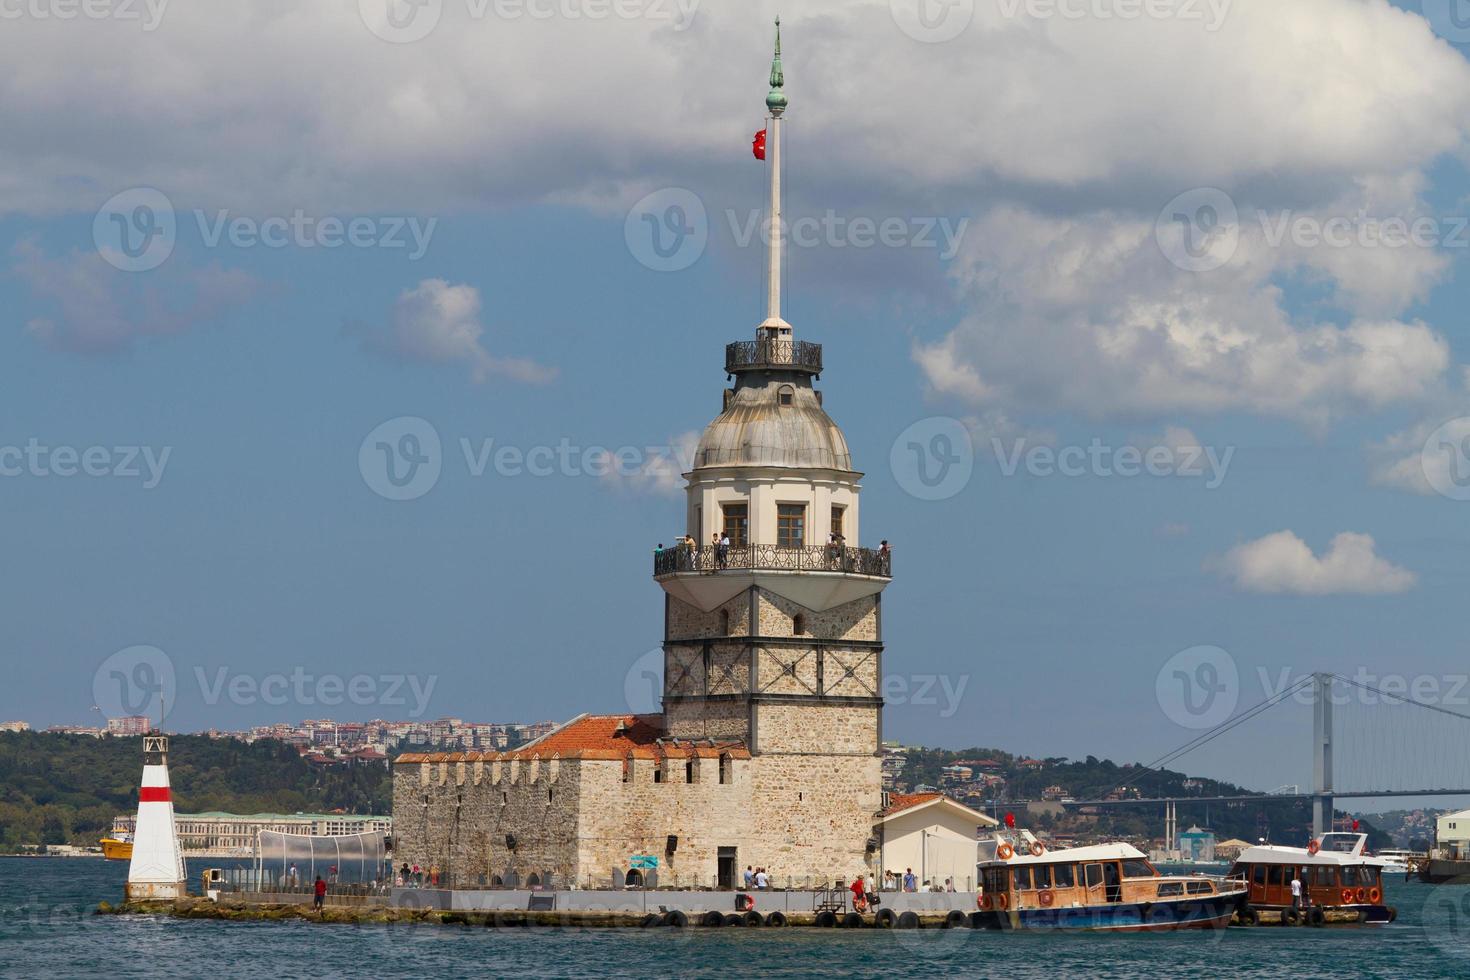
117,848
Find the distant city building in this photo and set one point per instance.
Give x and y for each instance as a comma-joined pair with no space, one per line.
15,726
130,725
1197,846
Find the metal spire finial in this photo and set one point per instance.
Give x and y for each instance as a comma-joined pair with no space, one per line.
776,100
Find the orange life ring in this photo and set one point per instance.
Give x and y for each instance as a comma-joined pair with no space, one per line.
1036,848
1002,900
1004,852
1313,847
1374,894
1046,897
1347,896
983,902
1361,894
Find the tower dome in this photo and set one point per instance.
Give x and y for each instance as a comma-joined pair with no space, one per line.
773,422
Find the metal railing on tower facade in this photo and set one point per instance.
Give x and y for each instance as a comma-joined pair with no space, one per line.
799,354
769,557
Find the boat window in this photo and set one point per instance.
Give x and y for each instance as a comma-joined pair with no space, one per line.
1321,876
1137,868
995,879
1273,875
1370,876
1041,875
1198,888
1168,888
1094,875
1064,875
1351,876
1021,878
1258,874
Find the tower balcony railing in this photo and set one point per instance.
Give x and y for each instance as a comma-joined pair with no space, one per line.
773,558
747,355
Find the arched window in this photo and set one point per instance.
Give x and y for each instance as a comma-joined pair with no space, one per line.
798,624
785,395
725,767
689,771
533,880
634,879
627,768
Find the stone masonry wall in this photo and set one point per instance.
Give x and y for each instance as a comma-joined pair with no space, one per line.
472,806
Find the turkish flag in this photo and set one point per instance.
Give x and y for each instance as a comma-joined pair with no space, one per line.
758,145
1010,820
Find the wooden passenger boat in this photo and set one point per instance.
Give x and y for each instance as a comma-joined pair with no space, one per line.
1111,887
1341,882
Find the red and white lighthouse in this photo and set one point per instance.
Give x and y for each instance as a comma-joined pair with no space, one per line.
157,869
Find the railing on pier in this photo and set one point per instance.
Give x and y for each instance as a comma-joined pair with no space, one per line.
746,355
768,557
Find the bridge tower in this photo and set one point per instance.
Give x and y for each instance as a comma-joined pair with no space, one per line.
1321,754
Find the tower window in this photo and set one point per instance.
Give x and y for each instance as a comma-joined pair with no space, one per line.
737,523
725,767
790,525
838,515
785,395
724,622
658,773
798,624
689,771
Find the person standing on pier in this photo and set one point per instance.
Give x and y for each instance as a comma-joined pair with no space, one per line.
1296,890
319,894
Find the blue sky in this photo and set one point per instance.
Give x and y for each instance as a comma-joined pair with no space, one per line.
1031,612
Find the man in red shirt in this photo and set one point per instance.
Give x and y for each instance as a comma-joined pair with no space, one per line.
859,898
320,896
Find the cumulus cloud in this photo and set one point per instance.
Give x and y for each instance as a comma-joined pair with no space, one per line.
1283,563
1061,136
94,308
439,323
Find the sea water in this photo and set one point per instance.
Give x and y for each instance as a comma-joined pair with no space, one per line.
48,929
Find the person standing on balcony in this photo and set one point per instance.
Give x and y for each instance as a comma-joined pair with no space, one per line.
722,549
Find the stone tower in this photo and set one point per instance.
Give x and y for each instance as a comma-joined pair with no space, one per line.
777,641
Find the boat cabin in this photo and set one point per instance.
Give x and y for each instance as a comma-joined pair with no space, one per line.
1103,874
1334,871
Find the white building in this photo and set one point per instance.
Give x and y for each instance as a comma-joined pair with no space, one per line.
932,835
1452,835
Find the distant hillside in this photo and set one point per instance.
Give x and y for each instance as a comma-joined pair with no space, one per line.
1284,821
58,789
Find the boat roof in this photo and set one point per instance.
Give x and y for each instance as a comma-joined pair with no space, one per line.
1281,854
1093,852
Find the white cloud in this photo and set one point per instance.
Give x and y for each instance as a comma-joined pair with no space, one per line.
94,308
1431,456
438,323
651,469
1312,107
1283,563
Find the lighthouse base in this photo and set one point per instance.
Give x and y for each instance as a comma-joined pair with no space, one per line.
151,891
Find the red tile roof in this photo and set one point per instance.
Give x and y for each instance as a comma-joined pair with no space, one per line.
898,802
598,737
